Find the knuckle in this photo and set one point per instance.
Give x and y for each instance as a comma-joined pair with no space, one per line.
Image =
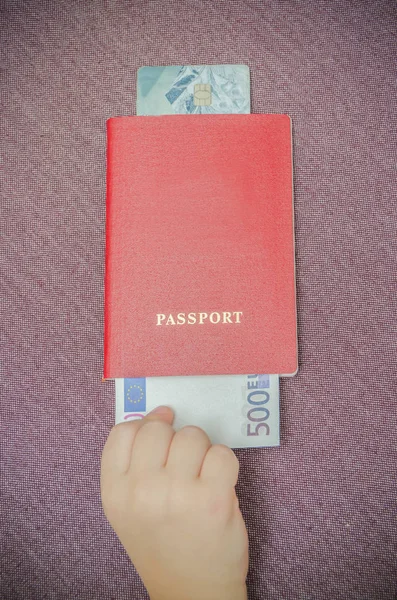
193,432
120,429
225,454
220,504
151,430
154,427
125,425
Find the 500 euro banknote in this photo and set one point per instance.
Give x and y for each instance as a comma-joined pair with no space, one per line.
241,411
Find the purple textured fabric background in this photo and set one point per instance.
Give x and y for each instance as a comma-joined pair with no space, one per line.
321,509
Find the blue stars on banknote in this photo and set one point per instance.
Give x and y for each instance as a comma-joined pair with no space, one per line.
135,395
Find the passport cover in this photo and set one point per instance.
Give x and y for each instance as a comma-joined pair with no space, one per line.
199,276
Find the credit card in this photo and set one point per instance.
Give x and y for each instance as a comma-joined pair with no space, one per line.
205,89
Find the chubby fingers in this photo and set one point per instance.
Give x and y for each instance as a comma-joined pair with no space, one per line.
220,466
187,453
151,443
116,455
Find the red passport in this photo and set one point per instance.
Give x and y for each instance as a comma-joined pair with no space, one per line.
199,246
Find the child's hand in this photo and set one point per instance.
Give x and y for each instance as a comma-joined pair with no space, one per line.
170,498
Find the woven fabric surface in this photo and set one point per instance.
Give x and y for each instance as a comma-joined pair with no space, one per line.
321,509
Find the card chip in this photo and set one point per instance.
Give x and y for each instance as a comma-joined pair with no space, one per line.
202,94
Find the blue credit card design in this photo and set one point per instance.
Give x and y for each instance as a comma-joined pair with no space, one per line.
205,89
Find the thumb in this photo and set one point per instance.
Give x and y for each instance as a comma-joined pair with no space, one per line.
161,413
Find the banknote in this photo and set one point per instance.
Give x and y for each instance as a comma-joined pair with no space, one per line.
203,89
241,411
